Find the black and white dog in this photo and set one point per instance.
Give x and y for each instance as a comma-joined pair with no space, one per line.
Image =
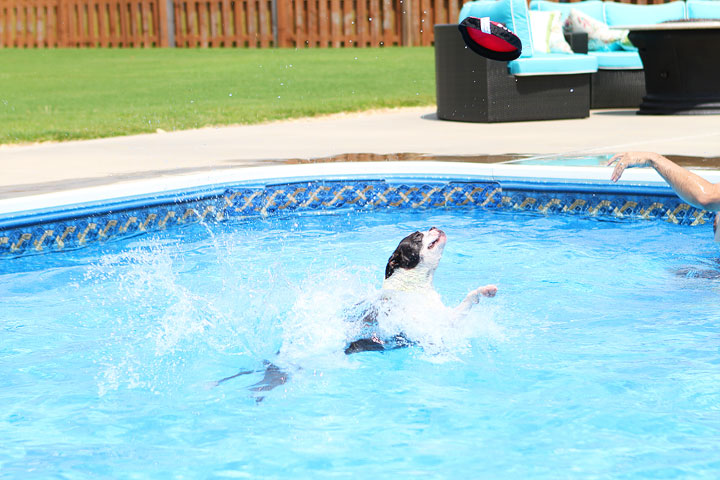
410,269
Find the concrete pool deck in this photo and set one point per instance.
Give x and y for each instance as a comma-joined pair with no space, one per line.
414,132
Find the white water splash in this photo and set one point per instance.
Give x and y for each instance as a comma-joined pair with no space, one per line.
174,318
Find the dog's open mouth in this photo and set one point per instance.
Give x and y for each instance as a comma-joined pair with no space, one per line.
441,236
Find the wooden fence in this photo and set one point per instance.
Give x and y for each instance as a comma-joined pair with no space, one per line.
224,23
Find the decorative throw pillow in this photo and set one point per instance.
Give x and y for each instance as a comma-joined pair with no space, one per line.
601,38
547,32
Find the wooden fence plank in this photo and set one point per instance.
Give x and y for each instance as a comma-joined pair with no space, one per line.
19,30
323,23
361,23
145,22
123,30
312,18
38,24
387,17
96,21
224,23
213,21
265,21
453,11
192,23
203,23
102,32
162,32
349,23
253,27
4,25
284,14
335,14
50,24
374,22
238,8
178,15
23,24
426,23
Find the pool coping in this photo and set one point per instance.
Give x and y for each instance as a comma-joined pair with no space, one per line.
206,181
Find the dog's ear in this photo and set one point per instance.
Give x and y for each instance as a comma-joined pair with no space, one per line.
406,256
391,266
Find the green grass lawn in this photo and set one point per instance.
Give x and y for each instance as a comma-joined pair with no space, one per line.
63,94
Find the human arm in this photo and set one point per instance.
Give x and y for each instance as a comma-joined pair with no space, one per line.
692,188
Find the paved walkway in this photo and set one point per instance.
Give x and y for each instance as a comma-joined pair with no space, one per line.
49,167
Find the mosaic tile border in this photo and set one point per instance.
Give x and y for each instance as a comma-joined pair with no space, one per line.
73,230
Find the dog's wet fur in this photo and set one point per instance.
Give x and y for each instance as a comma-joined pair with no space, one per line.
410,268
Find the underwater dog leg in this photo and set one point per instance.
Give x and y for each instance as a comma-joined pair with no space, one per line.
239,374
364,345
274,377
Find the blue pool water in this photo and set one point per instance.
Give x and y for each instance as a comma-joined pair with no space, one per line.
599,357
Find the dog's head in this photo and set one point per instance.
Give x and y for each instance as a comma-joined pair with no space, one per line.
419,251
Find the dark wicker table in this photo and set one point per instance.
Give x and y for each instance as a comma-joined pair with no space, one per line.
682,67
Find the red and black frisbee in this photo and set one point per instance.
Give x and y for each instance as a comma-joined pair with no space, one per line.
490,39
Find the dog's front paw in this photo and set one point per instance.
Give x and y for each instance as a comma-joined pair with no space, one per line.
487,290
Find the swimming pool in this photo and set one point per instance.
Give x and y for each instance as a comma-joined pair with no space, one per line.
598,358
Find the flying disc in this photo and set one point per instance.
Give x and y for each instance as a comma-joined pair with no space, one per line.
490,39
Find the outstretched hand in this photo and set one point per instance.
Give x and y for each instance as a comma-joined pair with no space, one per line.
628,160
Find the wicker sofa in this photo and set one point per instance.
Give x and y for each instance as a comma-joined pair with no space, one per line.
620,80
536,86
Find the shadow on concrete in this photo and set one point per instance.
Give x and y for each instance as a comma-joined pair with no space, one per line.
616,113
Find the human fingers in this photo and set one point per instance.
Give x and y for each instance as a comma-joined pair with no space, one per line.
618,171
614,159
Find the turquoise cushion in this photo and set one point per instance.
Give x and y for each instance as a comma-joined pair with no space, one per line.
594,8
617,60
703,9
511,13
553,64
623,14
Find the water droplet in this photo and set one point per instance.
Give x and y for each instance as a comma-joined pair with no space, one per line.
572,90
229,94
